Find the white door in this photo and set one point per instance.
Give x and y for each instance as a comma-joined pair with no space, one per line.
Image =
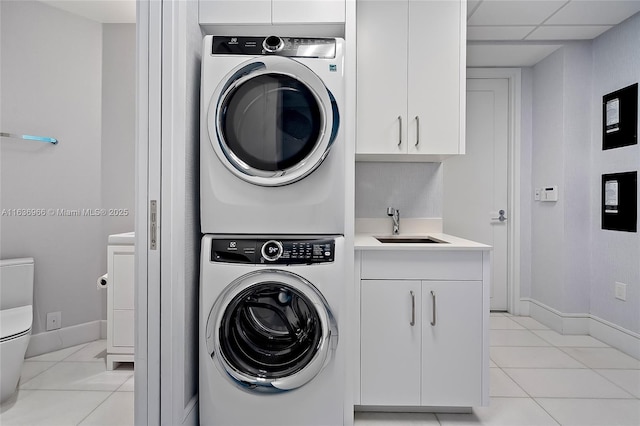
476,185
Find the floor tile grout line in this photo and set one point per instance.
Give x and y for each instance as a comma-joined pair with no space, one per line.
46,369
586,367
95,408
614,383
532,398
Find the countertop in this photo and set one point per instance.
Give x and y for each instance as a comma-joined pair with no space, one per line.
368,242
127,238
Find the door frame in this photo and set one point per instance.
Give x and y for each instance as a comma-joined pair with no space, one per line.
514,153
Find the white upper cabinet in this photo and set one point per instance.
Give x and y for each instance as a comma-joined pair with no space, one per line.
223,12
411,79
308,11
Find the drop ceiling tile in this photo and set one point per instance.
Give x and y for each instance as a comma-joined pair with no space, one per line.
521,12
498,33
595,12
507,55
575,32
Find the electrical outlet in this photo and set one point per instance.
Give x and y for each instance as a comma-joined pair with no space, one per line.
53,320
620,290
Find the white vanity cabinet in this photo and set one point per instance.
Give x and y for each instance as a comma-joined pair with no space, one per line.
423,328
410,79
266,12
120,299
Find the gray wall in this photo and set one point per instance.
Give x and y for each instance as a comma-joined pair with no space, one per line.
118,125
547,222
615,256
560,156
51,81
413,188
574,263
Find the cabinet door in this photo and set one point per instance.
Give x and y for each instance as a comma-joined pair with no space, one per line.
234,12
122,280
390,345
308,11
436,76
382,77
452,343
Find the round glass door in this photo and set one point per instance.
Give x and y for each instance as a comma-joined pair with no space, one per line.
270,331
272,121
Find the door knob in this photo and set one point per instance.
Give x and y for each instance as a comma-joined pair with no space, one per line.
501,217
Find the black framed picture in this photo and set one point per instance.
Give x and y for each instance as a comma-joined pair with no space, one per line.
619,201
620,118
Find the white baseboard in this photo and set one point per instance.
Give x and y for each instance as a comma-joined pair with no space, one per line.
615,336
66,337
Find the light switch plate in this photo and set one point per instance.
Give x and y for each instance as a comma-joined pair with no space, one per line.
620,291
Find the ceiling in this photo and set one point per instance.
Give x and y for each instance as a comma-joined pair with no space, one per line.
522,32
104,11
499,32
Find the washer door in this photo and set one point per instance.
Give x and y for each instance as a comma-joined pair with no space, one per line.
272,121
271,330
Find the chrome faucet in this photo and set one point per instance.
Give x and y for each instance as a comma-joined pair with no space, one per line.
395,216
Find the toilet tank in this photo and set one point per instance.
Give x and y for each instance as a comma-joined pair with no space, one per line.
16,282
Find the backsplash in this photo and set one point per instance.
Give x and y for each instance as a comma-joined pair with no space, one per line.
413,188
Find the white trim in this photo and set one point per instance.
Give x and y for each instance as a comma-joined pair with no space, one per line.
65,337
514,76
618,337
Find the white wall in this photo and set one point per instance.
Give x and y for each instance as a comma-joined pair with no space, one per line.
413,188
118,125
547,221
51,86
73,79
574,262
615,256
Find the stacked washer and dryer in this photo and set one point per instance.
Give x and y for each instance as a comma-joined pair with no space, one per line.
272,187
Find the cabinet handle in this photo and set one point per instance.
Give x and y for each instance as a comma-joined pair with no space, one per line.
417,130
399,130
433,316
413,309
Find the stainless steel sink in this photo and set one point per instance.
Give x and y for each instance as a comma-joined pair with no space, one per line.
400,239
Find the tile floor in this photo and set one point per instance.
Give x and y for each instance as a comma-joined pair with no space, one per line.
71,387
538,377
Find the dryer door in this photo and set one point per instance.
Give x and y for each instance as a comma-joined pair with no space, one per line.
272,121
271,330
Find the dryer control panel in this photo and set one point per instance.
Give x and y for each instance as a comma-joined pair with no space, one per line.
296,47
272,251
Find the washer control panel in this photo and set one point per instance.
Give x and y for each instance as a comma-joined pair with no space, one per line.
285,251
296,47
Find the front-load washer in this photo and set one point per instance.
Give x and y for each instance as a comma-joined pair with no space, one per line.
269,345
272,149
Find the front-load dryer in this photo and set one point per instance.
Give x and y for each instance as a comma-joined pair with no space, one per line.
272,149
269,346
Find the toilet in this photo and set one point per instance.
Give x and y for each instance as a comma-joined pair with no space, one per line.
16,316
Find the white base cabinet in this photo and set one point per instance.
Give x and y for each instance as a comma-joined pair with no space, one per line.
423,342
120,304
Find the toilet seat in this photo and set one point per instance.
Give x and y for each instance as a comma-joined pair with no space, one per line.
15,322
